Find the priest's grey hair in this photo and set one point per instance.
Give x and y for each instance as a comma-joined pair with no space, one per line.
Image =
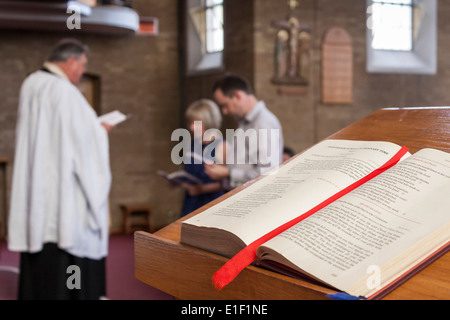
67,48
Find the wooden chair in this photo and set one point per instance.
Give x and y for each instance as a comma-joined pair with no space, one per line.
131,211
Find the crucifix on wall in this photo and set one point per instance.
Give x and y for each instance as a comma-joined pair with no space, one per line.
292,49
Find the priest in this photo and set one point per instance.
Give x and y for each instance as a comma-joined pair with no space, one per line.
58,216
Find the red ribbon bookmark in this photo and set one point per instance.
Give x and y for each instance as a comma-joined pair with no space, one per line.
246,256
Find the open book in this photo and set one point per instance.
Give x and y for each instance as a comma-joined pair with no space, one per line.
179,177
361,244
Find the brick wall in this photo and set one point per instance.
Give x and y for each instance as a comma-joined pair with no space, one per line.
139,76
305,118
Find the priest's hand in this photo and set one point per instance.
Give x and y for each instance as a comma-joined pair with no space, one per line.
107,127
217,171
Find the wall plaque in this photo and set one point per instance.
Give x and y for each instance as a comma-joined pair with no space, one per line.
337,67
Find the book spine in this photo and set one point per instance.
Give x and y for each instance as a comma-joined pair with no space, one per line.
343,296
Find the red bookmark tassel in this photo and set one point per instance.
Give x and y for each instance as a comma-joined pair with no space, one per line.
246,256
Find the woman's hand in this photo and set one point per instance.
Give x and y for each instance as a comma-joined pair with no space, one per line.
193,190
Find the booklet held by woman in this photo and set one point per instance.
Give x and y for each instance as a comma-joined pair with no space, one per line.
355,216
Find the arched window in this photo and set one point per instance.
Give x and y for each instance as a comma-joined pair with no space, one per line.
205,35
392,24
214,26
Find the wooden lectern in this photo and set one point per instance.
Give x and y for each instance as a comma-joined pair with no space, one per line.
185,272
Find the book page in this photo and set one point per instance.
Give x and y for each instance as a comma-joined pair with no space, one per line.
387,224
178,177
293,189
113,118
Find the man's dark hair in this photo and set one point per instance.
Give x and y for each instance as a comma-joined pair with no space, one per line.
230,83
67,48
289,151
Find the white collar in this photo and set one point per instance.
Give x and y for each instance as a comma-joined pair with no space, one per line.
53,68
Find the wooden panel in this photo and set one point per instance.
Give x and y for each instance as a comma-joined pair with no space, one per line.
89,86
337,67
185,272
415,128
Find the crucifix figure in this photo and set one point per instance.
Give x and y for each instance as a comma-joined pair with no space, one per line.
287,57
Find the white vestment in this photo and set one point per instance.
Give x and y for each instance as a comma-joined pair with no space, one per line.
61,175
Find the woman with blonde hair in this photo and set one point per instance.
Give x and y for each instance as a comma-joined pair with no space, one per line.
203,119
